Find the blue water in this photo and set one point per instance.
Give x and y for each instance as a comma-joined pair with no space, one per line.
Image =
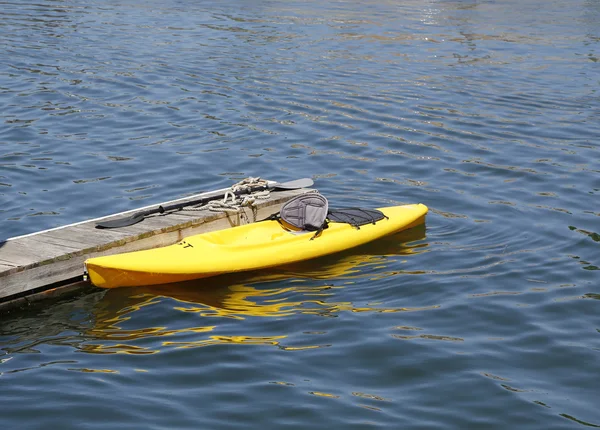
486,111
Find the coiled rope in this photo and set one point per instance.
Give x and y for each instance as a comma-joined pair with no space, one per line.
237,198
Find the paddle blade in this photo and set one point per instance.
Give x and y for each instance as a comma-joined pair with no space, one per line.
122,222
293,185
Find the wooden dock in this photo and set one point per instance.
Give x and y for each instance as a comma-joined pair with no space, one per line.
48,262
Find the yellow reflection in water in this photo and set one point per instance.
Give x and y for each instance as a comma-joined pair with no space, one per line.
215,340
118,348
233,296
322,394
283,291
86,370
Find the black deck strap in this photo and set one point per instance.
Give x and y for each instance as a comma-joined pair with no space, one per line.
355,216
320,230
273,217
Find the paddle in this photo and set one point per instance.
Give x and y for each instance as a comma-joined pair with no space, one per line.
141,215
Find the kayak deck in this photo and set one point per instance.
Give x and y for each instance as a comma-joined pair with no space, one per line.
243,248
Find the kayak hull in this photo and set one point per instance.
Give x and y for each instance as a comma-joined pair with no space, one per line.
243,248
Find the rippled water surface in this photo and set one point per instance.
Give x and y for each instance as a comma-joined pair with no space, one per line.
486,111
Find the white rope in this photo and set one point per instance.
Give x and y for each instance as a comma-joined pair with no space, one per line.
235,204
247,183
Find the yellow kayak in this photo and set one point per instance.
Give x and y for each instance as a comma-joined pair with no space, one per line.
243,248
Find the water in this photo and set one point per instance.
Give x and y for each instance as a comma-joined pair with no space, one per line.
486,111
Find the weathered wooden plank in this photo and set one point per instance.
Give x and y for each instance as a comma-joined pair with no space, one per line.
16,256
63,239
5,266
166,223
28,251
85,234
36,277
33,261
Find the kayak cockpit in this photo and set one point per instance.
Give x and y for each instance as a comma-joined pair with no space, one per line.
247,235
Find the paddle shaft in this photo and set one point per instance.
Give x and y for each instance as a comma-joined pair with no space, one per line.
202,201
139,216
